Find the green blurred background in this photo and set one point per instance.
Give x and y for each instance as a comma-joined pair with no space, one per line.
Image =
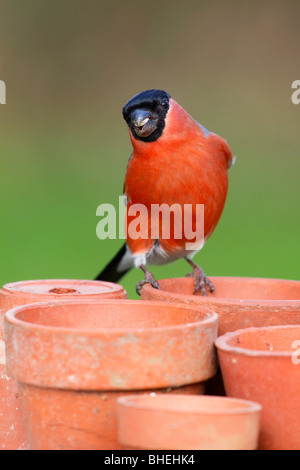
70,66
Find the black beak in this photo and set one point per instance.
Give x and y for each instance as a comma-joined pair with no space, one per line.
144,122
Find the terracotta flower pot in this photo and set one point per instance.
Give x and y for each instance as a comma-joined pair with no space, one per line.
73,359
12,430
28,292
187,422
263,365
239,302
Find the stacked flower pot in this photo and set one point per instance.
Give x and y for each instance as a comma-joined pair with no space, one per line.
13,425
85,368
258,347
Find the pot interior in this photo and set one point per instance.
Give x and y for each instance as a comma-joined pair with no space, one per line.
266,339
238,288
92,315
190,404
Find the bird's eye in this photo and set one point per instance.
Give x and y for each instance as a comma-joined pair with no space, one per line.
165,104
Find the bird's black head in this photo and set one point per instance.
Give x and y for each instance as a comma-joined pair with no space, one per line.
145,114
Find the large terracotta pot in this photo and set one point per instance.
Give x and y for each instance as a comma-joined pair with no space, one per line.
188,422
73,359
263,365
12,430
239,302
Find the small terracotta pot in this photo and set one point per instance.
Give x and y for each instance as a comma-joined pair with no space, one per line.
187,422
73,359
12,430
239,302
263,365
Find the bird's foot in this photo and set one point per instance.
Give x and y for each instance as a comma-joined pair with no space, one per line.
201,281
148,279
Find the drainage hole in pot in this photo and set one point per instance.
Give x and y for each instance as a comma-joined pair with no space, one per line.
62,290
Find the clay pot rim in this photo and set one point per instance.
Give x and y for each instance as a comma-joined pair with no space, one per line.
221,343
136,402
11,287
227,300
10,317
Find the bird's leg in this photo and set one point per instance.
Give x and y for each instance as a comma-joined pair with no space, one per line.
148,279
201,281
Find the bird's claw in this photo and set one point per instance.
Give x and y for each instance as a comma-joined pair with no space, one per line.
201,281
148,279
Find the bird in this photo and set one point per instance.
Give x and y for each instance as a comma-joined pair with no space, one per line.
174,161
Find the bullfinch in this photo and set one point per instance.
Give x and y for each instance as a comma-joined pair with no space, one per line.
176,165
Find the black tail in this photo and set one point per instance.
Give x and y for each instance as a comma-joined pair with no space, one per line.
111,273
